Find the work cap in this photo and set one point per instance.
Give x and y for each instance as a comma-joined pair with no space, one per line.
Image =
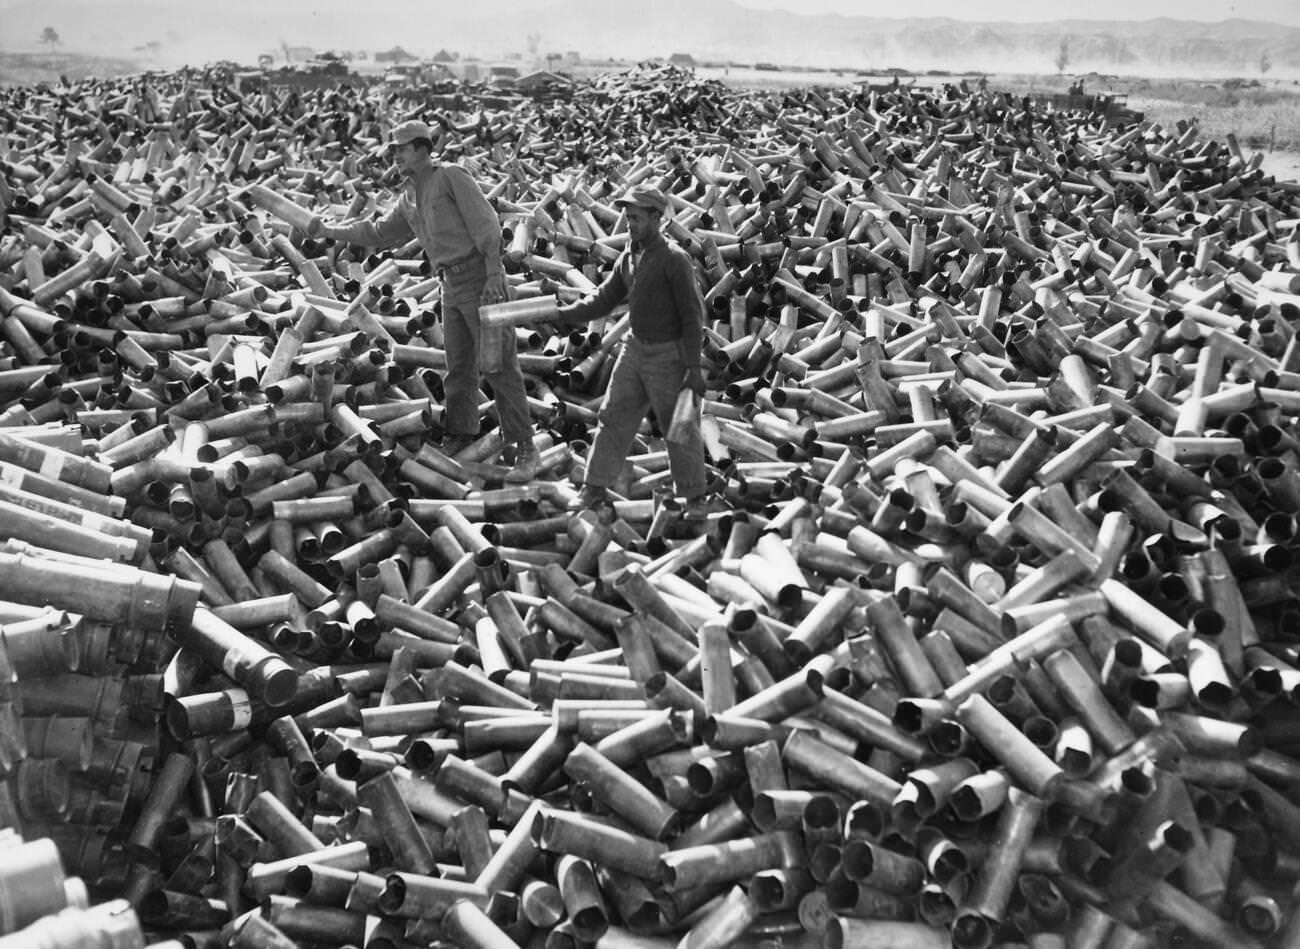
644,196
407,132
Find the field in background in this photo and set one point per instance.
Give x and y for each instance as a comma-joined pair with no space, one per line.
1264,113
28,69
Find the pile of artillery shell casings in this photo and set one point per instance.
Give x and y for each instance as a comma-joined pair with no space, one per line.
993,638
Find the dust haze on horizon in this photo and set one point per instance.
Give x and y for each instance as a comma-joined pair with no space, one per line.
168,33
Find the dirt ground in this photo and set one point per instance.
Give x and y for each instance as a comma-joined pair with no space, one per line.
1283,165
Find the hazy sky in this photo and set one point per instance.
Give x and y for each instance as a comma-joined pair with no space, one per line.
1277,11
204,30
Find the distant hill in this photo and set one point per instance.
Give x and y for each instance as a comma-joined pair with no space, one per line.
710,30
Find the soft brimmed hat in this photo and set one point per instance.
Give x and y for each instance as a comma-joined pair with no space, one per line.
407,132
644,196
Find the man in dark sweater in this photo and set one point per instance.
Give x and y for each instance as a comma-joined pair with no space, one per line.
660,356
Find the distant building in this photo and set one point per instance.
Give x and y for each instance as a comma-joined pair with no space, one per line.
682,60
542,81
395,55
299,54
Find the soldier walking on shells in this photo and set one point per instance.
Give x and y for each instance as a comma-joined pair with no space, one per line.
461,234
660,356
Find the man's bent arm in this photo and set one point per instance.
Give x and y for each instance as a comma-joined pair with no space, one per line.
611,293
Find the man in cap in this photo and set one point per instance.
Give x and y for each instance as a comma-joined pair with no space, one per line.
660,355
443,207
